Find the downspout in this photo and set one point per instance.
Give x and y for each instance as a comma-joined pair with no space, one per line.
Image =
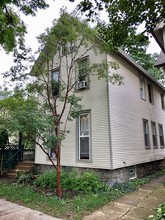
109,120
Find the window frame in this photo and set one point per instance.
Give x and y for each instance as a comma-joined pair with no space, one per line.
142,88
162,100
86,76
150,93
161,137
88,112
154,136
146,122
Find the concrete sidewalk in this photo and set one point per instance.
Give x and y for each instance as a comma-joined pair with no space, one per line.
137,205
12,211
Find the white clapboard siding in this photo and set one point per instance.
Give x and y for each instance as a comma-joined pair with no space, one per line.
127,110
95,100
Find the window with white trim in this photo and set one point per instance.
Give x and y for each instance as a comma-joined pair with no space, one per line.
161,135
154,134
142,87
146,134
84,136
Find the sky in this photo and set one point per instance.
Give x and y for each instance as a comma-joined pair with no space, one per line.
36,25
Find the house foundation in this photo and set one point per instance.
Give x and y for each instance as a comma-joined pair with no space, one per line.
118,175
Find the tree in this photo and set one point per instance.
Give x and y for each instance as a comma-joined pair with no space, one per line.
45,108
12,28
136,46
124,14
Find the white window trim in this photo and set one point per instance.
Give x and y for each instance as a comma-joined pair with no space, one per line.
89,135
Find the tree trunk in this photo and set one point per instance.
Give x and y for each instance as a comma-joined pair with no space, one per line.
58,170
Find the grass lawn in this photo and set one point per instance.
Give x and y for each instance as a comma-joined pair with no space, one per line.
74,205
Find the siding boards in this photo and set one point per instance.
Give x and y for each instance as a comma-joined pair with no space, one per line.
94,99
126,113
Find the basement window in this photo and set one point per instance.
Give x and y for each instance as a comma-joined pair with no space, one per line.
132,172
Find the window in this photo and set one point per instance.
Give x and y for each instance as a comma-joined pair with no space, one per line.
162,100
132,172
161,135
83,69
55,82
154,134
52,153
150,93
142,88
146,134
84,136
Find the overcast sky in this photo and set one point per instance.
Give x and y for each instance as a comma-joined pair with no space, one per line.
37,25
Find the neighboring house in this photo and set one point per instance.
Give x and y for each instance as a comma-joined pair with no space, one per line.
159,35
120,132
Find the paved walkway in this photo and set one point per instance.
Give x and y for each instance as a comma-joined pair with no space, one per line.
12,211
133,206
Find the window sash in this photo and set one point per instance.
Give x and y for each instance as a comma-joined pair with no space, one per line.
146,133
161,136
84,136
154,134
83,69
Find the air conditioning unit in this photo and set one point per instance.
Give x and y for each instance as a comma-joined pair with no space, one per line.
81,84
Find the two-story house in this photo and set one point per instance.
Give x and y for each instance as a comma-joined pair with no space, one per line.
120,131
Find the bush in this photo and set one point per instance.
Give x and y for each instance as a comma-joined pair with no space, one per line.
71,181
25,179
160,213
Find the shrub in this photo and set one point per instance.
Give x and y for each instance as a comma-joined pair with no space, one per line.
46,180
160,213
25,179
70,180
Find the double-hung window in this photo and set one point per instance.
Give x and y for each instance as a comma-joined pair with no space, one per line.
154,134
84,136
142,87
161,135
55,82
83,73
146,134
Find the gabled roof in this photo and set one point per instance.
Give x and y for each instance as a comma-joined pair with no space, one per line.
158,35
161,60
139,68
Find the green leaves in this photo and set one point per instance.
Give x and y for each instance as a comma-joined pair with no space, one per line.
12,28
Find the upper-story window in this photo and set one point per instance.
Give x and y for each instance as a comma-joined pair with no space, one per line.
162,100
150,93
55,82
161,135
83,73
146,134
142,87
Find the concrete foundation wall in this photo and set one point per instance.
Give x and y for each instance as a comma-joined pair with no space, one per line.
118,175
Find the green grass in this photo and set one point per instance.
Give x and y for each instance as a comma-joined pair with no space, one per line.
76,206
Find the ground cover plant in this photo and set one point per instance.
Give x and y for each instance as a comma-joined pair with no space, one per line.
82,193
